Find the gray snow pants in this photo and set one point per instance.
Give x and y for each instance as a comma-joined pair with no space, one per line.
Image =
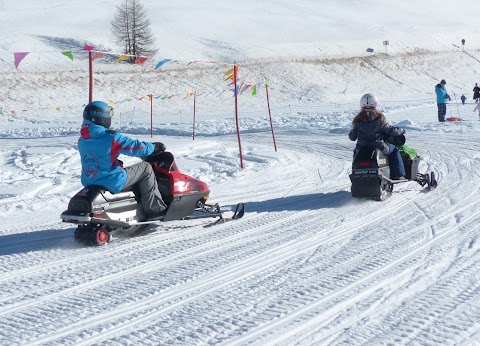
142,173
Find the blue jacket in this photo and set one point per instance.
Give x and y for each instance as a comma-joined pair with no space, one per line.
371,134
442,95
99,150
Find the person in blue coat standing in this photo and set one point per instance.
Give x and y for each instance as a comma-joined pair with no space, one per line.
99,149
442,97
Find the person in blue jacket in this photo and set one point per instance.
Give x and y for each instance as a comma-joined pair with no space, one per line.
442,97
99,149
370,128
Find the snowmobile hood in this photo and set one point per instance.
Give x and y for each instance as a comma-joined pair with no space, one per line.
91,130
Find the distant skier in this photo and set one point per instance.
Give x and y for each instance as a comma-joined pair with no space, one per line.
370,127
463,98
476,92
442,97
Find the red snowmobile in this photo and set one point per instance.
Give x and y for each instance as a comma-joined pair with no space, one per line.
97,211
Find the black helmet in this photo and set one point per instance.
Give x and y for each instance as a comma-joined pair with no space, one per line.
99,112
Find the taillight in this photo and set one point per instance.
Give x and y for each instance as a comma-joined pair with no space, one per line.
364,163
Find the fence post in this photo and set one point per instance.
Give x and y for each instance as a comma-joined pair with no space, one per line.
151,115
194,112
90,77
235,71
270,115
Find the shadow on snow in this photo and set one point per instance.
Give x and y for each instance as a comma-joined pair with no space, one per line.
303,202
45,240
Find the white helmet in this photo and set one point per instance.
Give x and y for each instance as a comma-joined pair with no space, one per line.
369,101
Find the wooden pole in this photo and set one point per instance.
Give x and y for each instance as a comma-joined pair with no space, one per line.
90,77
151,115
270,115
235,71
194,103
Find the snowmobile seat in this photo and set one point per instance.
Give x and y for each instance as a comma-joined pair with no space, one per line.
113,197
368,157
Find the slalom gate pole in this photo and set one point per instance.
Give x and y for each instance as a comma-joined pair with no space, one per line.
151,115
458,113
270,115
90,77
235,71
194,112
456,103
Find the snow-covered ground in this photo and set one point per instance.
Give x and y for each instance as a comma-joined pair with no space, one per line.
308,264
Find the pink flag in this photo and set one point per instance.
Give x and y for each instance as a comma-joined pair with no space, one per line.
88,47
98,55
18,56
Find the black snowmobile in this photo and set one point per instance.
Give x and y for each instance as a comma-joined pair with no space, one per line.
97,211
371,173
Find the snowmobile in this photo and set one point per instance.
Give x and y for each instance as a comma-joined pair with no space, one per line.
98,212
371,173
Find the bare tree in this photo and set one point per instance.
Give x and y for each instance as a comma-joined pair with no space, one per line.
131,29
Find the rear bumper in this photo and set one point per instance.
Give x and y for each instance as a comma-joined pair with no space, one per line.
365,186
76,217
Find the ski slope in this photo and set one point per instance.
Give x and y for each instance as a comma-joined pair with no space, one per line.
306,265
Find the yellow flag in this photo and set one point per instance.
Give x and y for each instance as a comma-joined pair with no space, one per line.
229,72
123,57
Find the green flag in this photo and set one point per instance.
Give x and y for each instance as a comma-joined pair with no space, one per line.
69,54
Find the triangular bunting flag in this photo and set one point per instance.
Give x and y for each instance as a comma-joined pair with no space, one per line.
162,62
88,47
68,54
141,60
98,55
188,95
18,57
228,73
122,58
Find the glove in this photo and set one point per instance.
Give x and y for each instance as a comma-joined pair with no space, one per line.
159,148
